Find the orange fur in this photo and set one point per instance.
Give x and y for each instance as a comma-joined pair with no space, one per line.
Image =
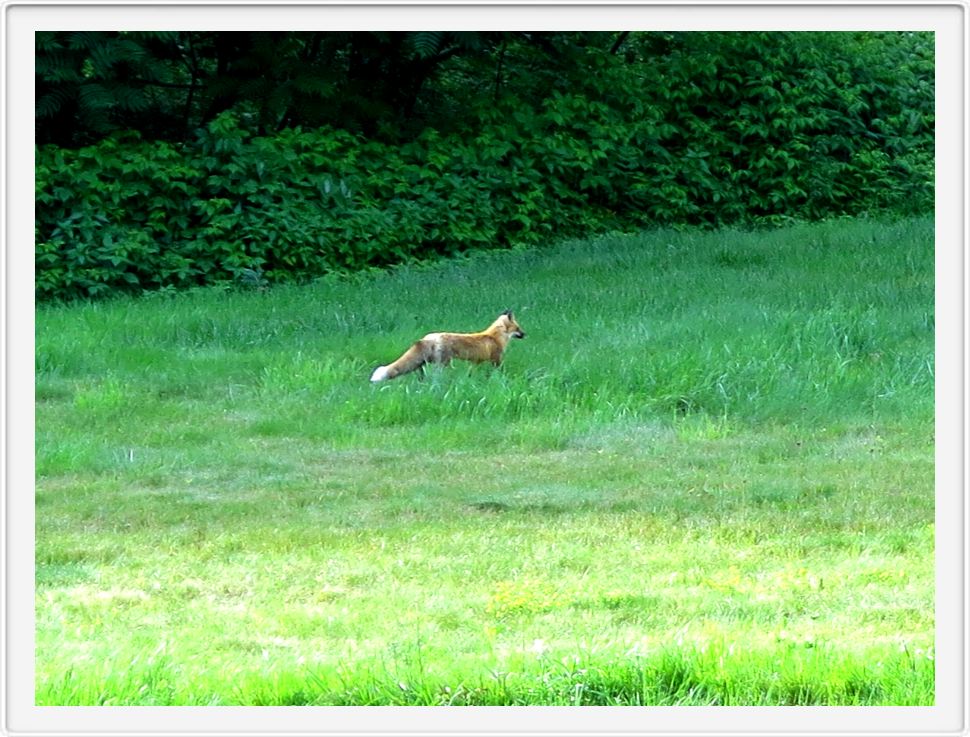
485,346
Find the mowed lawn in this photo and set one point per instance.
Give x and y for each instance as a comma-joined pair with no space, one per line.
705,477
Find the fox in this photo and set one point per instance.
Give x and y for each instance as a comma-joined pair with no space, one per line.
486,346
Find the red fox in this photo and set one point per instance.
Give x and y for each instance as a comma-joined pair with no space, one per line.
488,345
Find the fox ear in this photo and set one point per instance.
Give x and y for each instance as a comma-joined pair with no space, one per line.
507,313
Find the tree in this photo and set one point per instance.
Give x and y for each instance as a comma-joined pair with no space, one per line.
385,84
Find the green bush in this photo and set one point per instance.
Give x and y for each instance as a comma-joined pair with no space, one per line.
722,129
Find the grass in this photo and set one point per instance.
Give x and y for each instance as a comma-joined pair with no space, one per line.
705,477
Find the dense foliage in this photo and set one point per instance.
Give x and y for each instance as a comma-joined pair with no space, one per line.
267,157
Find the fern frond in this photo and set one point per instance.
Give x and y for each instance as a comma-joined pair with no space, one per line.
103,58
56,66
425,44
84,40
128,98
47,40
309,84
48,105
94,96
130,51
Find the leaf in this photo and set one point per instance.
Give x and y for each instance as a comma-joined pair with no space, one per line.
425,44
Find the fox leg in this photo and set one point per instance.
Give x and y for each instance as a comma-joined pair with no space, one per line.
413,358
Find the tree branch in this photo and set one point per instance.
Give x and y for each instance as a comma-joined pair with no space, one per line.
170,85
619,41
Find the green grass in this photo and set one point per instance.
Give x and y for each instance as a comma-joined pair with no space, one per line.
705,477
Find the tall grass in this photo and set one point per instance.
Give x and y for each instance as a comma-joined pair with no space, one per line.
706,476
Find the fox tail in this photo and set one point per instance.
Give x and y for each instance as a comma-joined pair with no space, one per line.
413,358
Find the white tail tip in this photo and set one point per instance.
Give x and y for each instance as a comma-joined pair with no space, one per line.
380,373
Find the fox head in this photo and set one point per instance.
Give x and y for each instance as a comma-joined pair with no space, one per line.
506,321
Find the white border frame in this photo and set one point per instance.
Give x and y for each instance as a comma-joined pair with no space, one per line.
18,715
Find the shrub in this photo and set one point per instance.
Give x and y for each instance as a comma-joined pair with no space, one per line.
723,129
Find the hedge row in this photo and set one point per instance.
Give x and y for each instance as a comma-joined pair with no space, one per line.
708,138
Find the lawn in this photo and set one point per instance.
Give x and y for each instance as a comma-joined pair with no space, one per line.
705,477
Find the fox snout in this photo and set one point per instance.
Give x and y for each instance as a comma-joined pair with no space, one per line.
518,334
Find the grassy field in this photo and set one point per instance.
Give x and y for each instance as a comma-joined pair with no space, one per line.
705,477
